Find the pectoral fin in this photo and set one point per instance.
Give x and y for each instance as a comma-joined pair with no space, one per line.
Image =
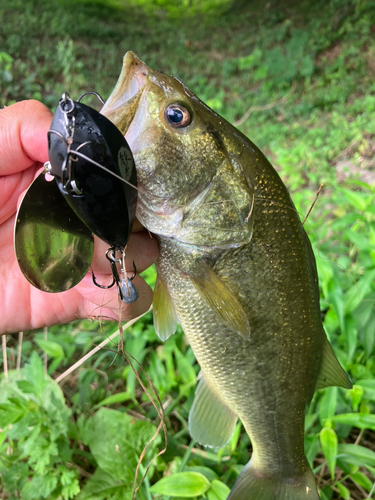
165,318
219,297
211,422
331,372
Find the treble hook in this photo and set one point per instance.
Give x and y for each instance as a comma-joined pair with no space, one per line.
135,272
102,286
126,289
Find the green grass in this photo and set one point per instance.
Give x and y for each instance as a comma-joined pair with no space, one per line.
306,70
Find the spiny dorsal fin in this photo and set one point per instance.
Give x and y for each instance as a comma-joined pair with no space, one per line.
220,299
211,422
165,318
331,372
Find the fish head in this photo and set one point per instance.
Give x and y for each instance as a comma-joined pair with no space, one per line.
189,188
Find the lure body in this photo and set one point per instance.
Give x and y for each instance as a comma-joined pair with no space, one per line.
104,203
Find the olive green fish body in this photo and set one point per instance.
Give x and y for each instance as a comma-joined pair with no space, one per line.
236,269
268,379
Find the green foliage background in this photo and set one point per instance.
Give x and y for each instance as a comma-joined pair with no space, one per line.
305,73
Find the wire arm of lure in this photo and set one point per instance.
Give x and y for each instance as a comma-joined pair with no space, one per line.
78,153
91,92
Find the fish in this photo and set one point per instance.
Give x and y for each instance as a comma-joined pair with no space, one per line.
236,270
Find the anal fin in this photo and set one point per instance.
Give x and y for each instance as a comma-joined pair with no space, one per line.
220,298
165,317
331,372
211,422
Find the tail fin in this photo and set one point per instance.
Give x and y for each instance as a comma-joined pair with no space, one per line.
254,485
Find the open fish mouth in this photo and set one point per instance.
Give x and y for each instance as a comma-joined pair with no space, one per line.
122,104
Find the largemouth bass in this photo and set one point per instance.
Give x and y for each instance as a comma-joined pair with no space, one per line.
237,270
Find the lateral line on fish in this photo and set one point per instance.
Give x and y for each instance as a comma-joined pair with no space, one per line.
208,227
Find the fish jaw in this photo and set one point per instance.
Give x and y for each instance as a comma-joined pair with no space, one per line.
122,104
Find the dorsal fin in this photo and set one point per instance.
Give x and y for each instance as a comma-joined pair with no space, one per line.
165,317
220,299
331,372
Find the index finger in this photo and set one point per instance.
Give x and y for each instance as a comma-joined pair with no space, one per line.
23,136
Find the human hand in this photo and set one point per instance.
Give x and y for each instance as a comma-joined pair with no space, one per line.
23,147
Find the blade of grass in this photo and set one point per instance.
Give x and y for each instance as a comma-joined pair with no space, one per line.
97,348
5,359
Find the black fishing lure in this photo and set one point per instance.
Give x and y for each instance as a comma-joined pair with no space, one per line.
90,160
95,173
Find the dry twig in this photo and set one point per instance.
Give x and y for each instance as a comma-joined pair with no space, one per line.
313,203
19,351
96,349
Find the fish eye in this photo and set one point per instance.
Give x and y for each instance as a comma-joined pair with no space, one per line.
177,115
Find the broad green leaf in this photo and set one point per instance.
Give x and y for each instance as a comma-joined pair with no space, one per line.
53,349
206,471
356,420
34,373
369,339
356,454
312,447
358,200
351,337
343,490
362,480
328,441
71,490
218,491
122,439
369,388
358,291
182,485
361,241
103,485
39,487
309,420
336,297
326,494
15,477
42,454
10,414
158,374
26,386
328,404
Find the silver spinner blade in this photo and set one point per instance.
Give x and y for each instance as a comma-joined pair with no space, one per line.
54,248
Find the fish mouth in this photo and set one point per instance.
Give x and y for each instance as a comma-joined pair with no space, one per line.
122,104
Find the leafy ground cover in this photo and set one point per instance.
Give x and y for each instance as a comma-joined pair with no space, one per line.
298,79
